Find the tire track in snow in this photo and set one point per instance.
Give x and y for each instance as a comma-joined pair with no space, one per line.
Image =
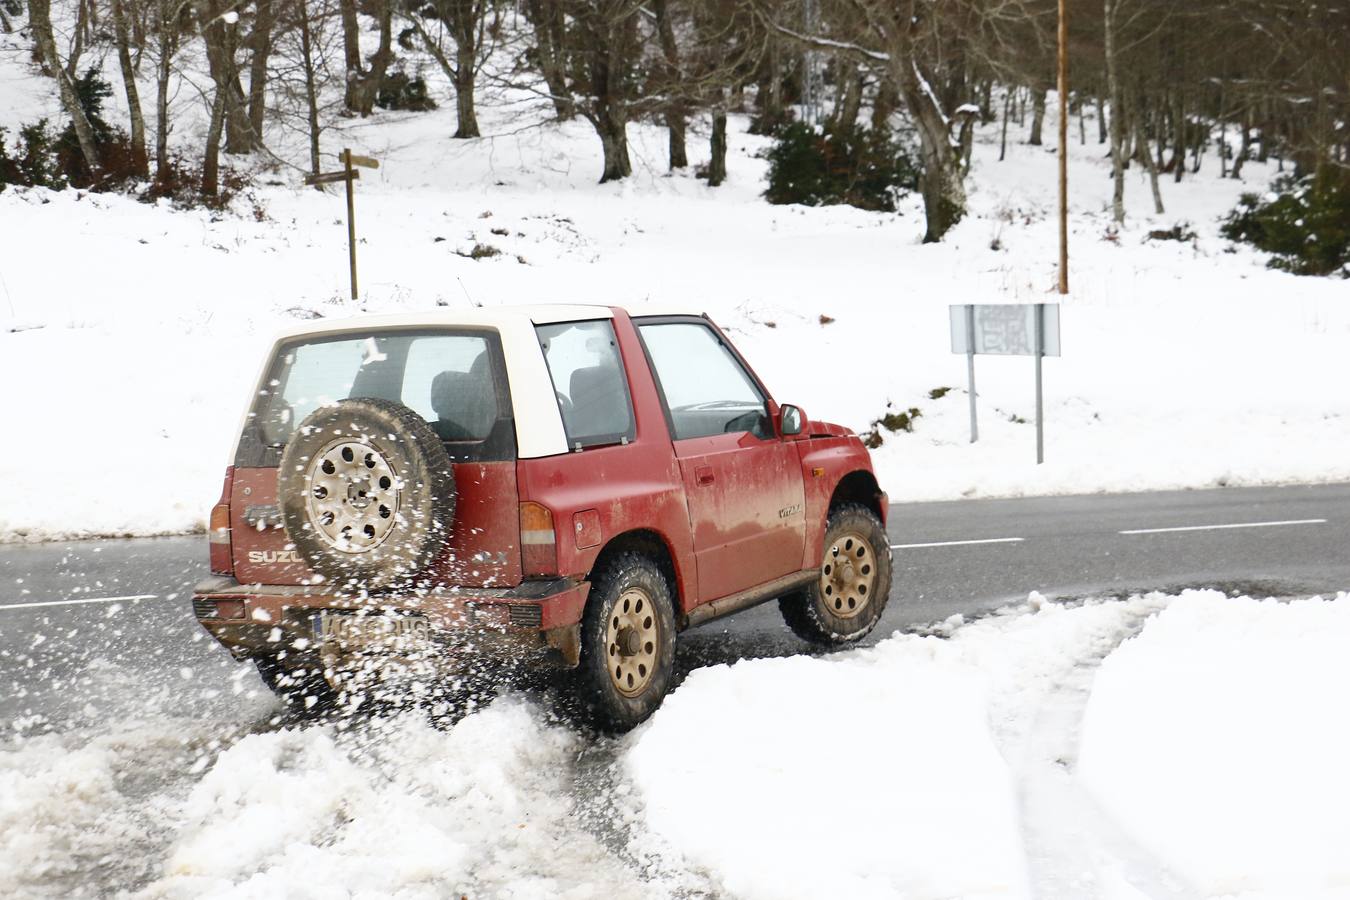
1074,849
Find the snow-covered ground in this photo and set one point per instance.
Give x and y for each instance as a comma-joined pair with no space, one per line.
1156,747
129,333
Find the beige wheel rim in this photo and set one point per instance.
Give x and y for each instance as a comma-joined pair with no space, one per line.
848,575
353,497
632,642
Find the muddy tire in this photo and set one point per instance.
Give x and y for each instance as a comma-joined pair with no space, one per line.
367,493
847,600
627,641
301,689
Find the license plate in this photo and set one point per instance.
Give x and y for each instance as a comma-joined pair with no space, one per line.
353,629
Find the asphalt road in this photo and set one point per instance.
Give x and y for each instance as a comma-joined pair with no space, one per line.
65,635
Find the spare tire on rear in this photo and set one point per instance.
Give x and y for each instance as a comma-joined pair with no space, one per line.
367,493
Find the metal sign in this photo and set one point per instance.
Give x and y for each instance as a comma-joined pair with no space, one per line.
1024,329
1005,329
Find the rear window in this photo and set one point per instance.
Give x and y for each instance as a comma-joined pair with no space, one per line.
453,380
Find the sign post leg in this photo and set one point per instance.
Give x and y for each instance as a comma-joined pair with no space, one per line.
1040,399
351,216
970,371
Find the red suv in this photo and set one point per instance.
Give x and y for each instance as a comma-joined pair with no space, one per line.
564,485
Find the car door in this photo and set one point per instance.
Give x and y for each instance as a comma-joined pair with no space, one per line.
743,483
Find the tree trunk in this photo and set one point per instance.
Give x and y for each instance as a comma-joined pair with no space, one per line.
40,20
1246,147
351,53
1037,116
211,159
717,144
1117,114
139,161
611,125
311,91
1101,120
679,154
769,98
167,38
943,189
849,102
1178,162
379,63
466,61
261,40
672,77
81,35
884,103
549,30
1003,132
1145,156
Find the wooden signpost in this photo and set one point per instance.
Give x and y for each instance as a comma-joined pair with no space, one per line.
347,176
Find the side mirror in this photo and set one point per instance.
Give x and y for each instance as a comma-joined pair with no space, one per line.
791,420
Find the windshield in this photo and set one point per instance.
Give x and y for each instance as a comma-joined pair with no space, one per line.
452,380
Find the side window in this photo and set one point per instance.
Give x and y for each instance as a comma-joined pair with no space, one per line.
589,380
707,390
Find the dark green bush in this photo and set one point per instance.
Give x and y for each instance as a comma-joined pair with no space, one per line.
845,164
42,158
1304,223
399,91
32,162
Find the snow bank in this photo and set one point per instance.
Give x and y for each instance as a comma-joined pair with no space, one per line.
1219,741
888,772
401,809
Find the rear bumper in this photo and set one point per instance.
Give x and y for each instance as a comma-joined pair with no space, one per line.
536,622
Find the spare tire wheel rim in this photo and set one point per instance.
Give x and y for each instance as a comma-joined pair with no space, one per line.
353,497
848,575
632,641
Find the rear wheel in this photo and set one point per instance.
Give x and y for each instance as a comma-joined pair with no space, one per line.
627,641
844,603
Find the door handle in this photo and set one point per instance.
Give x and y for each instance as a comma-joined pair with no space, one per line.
704,475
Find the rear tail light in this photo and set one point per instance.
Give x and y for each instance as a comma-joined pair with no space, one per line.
218,531
538,540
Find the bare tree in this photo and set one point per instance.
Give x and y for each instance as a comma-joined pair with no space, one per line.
466,20
40,20
122,30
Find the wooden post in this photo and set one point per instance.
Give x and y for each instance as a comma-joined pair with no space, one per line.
1063,88
351,213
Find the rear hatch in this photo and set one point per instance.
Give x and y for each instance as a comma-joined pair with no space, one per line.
453,378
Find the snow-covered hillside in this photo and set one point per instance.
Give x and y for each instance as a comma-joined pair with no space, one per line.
129,333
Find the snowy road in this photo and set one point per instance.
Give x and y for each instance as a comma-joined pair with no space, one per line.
132,751
961,557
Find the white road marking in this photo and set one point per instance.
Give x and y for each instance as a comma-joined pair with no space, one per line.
1219,527
74,602
957,543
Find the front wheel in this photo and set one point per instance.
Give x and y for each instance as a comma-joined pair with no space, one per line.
627,641
846,601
